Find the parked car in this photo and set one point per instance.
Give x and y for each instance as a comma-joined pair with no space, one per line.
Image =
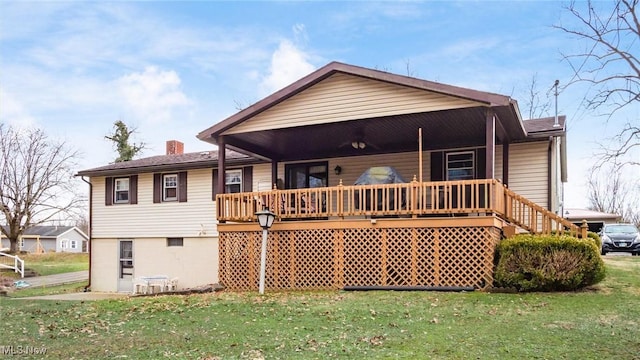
620,237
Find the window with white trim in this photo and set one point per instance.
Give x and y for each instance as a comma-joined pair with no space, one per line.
233,181
21,243
121,192
460,165
170,187
74,244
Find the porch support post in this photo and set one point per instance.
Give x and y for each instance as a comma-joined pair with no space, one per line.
274,173
505,163
490,140
221,164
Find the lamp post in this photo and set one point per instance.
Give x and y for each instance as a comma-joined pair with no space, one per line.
265,219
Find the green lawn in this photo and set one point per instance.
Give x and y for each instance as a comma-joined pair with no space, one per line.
599,323
56,263
49,290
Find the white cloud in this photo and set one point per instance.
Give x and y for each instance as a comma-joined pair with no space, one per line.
152,95
288,64
12,112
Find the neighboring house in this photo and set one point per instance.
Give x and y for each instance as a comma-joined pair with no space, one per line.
51,238
595,219
479,165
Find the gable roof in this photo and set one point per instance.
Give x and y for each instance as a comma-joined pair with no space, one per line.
51,231
486,98
194,160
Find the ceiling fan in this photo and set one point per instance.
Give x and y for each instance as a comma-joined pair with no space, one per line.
358,141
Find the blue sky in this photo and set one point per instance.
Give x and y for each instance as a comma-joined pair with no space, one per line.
172,69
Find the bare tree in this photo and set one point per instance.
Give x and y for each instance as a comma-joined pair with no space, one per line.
82,223
536,104
609,64
36,180
120,137
610,191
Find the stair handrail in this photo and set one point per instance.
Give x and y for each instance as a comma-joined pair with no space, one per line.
531,209
18,264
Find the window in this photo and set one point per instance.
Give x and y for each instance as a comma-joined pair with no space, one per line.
121,190
175,241
233,181
310,175
74,244
460,165
121,193
63,244
21,244
170,187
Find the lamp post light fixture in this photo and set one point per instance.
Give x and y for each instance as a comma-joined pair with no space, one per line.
265,219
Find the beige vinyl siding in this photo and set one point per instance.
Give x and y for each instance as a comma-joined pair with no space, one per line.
262,177
196,217
528,171
344,97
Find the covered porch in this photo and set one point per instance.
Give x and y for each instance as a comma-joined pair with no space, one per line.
439,227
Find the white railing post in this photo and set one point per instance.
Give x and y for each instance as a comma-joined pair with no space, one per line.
16,261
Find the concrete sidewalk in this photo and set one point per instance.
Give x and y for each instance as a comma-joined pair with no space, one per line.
57,279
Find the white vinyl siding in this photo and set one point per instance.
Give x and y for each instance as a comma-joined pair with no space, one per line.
197,217
528,171
343,97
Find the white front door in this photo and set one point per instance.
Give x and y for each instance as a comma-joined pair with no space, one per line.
125,266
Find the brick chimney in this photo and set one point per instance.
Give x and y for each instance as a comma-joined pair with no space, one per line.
175,147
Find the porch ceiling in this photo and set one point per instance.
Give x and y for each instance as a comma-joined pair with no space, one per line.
391,134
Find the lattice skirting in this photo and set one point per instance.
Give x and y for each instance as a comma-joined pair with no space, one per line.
332,258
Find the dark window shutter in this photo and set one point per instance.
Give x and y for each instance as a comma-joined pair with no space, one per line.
247,178
214,182
182,186
437,166
108,191
481,163
157,188
133,189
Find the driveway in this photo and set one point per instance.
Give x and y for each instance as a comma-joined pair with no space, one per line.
57,279
67,278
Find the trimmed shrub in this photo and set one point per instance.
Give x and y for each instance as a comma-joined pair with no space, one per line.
548,263
595,237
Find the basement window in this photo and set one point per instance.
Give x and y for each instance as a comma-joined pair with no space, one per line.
175,241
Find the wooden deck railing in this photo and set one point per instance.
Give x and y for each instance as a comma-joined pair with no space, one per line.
536,219
411,199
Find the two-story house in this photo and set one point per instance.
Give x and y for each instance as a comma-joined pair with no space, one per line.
474,171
